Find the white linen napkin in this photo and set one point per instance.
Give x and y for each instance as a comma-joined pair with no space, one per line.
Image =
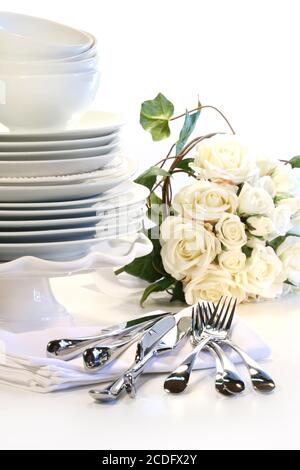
24,363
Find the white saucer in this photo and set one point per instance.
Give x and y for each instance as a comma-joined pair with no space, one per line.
91,124
63,192
61,154
46,145
133,196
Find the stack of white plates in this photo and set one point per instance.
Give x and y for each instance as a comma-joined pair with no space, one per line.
63,191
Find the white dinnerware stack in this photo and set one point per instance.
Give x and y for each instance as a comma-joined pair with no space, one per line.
64,183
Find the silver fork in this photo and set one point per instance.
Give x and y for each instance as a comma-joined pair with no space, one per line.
261,381
217,328
228,381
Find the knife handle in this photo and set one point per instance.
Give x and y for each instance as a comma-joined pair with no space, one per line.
132,375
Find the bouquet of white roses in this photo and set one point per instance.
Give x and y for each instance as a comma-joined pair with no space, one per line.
233,230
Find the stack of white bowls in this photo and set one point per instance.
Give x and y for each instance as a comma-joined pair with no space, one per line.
48,72
64,183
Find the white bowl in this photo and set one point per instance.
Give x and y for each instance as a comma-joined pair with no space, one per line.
45,101
45,68
28,37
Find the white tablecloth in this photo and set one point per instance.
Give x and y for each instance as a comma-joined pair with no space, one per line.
199,418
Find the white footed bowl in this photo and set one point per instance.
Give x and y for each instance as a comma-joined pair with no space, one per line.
28,37
45,101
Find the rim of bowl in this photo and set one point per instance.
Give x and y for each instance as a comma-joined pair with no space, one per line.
46,64
18,77
87,36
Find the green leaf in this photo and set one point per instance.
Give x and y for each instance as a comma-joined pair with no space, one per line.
189,124
247,250
280,197
155,211
185,165
178,293
142,268
155,115
158,286
295,162
277,242
150,268
148,178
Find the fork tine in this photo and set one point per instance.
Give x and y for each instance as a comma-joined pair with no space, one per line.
193,319
206,314
209,305
220,314
212,318
229,323
222,323
200,313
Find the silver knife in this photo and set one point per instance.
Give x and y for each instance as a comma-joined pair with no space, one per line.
144,352
68,348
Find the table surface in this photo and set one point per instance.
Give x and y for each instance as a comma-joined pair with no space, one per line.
197,419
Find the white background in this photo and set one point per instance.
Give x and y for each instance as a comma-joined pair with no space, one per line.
242,56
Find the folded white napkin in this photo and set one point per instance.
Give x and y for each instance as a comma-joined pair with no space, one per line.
24,363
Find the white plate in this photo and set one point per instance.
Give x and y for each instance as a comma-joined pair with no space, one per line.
37,146
112,170
108,227
61,154
79,221
63,192
59,167
131,196
91,124
58,251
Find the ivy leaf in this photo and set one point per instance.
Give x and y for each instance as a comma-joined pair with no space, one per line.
277,242
150,268
178,293
189,124
148,178
142,268
155,115
158,286
295,162
185,165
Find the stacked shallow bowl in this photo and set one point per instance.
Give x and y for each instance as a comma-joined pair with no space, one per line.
64,183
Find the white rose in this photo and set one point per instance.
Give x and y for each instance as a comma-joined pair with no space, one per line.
205,201
268,185
224,157
282,219
286,179
255,201
289,253
231,231
185,245
292,202
233,261
263,275
211,285
254,242
260,226
266,164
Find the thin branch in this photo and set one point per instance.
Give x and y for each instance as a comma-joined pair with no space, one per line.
207,106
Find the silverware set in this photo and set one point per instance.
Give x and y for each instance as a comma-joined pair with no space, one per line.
209,328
